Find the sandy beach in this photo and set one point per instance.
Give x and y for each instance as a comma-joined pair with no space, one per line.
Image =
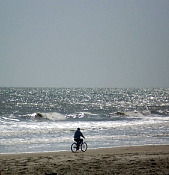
120,160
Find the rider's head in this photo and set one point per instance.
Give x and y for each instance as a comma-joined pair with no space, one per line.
78,129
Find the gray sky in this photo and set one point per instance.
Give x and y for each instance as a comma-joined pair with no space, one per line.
84,43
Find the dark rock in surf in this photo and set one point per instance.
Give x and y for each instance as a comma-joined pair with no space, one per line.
39,115
120,113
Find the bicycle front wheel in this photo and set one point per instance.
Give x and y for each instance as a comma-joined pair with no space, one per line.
74,147
84,146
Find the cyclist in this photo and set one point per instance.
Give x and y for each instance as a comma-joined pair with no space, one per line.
77,138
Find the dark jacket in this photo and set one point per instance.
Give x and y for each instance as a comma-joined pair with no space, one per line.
78,134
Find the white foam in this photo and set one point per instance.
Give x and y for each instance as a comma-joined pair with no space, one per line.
54,116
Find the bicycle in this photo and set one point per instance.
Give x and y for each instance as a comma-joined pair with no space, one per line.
82,146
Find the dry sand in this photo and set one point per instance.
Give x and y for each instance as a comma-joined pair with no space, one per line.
149,160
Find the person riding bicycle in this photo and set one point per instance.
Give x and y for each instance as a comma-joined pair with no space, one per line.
77,138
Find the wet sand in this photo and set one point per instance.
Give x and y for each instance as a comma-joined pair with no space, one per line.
137,160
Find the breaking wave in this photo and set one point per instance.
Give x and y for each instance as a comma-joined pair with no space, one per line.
54,116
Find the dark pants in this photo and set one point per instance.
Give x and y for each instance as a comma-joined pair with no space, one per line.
79,141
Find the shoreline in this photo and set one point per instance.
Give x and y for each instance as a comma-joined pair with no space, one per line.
149,159
57,151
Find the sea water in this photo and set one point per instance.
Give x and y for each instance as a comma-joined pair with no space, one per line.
45,119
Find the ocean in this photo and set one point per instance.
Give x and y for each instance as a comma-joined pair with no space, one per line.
45,119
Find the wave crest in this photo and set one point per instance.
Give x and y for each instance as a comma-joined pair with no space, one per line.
54,116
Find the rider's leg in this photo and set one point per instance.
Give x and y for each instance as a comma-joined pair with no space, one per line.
78,143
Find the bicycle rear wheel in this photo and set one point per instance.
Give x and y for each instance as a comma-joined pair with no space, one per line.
74,147
84,146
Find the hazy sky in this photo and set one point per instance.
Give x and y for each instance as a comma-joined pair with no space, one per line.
84,43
